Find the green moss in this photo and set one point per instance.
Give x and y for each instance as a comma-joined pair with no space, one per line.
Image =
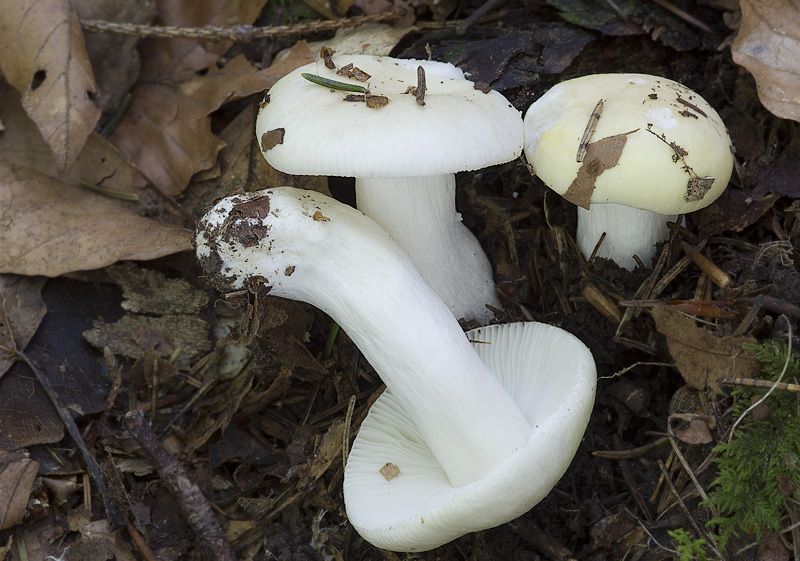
688,548
762,453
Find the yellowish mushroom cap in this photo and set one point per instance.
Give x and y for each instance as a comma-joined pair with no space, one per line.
651,144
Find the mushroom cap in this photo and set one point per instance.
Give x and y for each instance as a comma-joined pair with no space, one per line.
551,376
460,128
666,138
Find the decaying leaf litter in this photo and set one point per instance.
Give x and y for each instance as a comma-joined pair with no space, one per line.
259,429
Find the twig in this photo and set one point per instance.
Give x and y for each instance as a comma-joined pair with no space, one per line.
112,512
774,385
697,528
191,501
238,33
466,23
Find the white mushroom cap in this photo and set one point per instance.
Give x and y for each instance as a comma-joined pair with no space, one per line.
550,375
459,128
645,122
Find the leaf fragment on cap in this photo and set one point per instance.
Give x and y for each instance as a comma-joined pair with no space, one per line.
271,139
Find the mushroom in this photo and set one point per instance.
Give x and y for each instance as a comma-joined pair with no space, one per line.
403,155
638,149
478,436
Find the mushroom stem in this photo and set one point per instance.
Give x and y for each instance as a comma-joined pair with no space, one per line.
305,246
629,231
420,215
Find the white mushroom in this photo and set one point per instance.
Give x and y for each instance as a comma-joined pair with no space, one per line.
490,431
403,156
649,149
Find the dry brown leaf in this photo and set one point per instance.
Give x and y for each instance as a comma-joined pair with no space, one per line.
166,131
241,165
702,358
219,414
49,228
768,45
116,74
17,472
42,54
99,163
328,450
695,433
21,311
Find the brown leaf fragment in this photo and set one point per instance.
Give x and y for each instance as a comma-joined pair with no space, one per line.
150,291
132,335
99,163
50,228
42,54
328,450
389,471
114,74
21,310
271,139
17,473
695,433
768,45
377,101
27,415
600,156
219,413
326,53
700,357
319,217
354,72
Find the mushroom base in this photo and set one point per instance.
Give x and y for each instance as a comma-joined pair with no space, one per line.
629,231
551,376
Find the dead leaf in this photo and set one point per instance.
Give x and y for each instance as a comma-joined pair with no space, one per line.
701,357
328,450
115,75
695,433
768,45
167,131
17,472
98,541
42,54
734,210
50,228
27,415
600,156
240,164
132,335
219,412
21,311
151,292
99,163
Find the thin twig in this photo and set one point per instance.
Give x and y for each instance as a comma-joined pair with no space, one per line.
774,385
191,501
238,33
112,513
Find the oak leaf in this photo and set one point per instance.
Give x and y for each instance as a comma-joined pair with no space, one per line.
768,45
42,54
49,228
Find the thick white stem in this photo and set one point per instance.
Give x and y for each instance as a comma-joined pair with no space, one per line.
308,247
629,231
420,215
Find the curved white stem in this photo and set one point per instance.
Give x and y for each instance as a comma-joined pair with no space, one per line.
308,247
629,231
420,215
